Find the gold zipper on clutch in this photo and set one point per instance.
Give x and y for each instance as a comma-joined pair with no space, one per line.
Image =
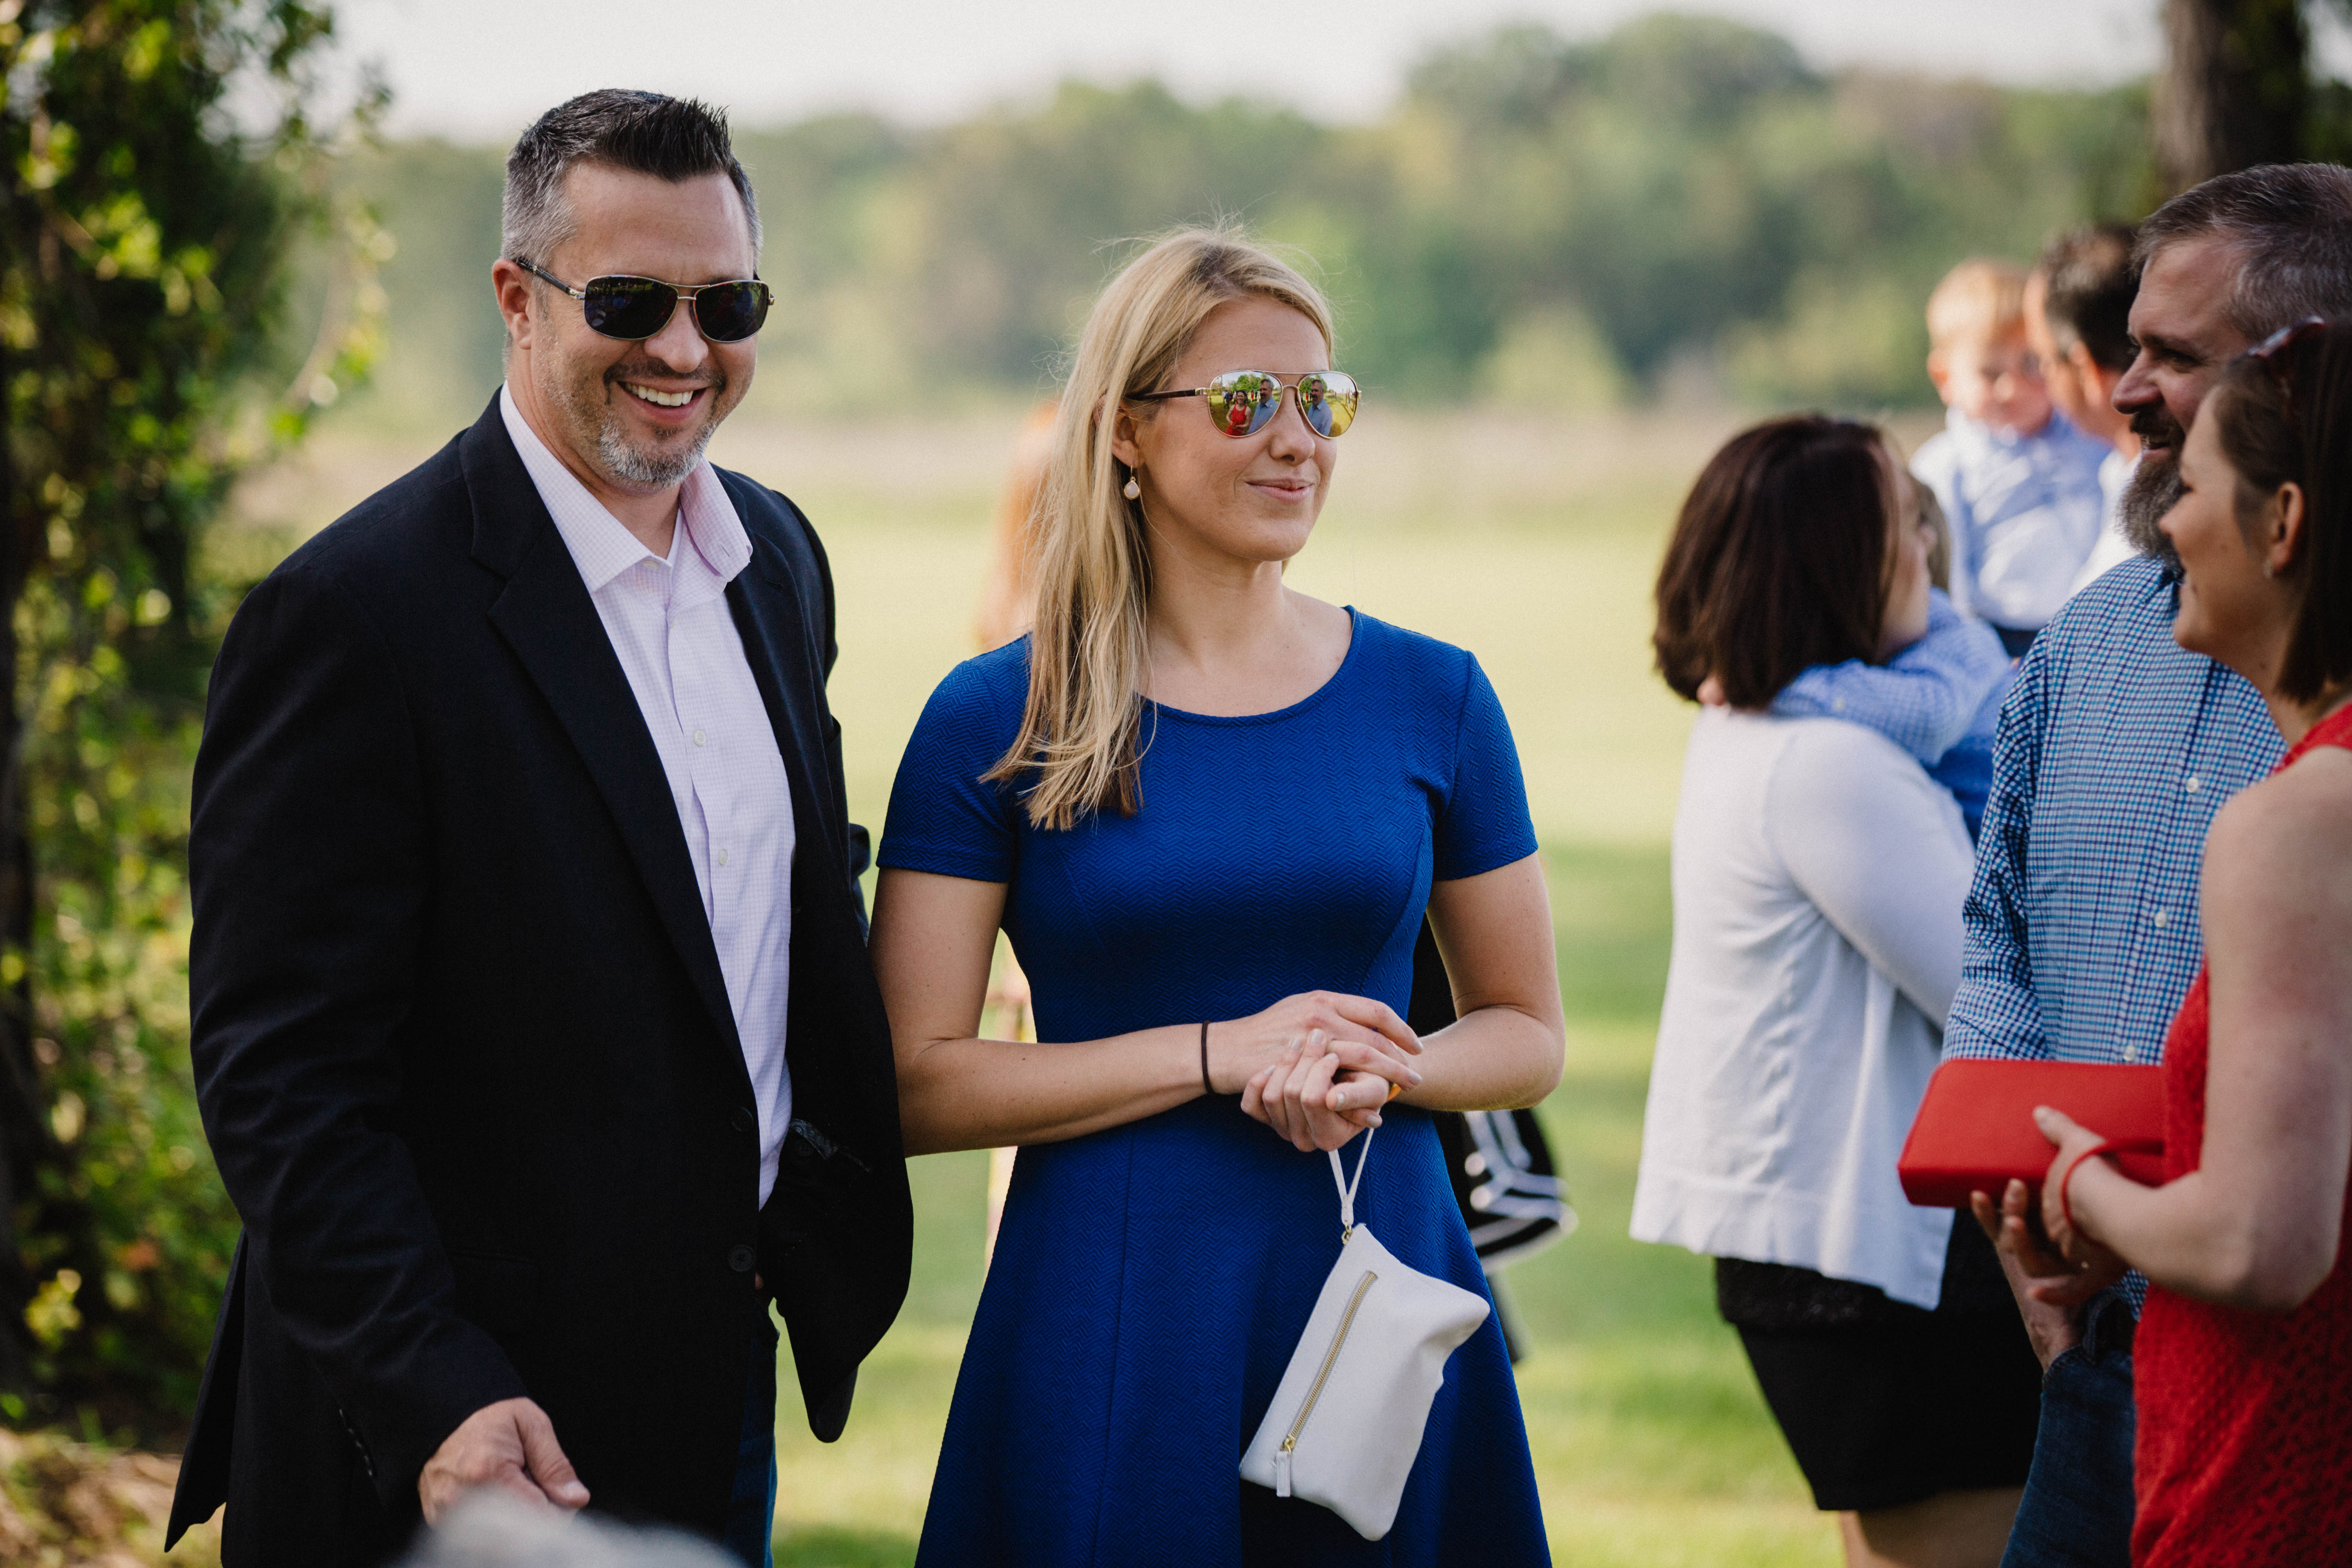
1322,1374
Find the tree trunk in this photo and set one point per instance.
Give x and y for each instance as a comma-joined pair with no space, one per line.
2233,91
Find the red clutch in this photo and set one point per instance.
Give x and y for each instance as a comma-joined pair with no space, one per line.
1975,1129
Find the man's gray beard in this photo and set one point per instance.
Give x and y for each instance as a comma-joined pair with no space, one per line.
2139,511
630,466
624,464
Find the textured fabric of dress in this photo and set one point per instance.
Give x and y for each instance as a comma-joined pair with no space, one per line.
2242,1455
1150,1280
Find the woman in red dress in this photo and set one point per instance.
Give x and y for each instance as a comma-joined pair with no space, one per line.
2244,1357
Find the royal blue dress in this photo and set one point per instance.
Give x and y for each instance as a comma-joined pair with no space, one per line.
1150,1280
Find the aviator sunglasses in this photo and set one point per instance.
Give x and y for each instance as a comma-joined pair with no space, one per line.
1243,401
634,309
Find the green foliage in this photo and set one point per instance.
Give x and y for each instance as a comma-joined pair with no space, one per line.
139,310
1565,224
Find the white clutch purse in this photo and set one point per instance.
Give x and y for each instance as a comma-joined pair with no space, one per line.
1345,1423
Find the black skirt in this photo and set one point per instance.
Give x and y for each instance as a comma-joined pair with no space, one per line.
1885,1403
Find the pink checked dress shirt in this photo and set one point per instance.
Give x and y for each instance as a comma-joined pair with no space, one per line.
670,627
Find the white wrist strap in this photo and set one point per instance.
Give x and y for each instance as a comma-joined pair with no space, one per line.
1348,1188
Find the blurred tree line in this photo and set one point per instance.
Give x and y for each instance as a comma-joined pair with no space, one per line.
1566,225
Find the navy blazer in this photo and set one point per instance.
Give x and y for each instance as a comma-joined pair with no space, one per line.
463,1047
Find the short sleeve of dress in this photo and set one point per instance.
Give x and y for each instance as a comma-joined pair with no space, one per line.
1483,824
945,816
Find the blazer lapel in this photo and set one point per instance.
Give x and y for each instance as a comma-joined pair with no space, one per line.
547,618
776,642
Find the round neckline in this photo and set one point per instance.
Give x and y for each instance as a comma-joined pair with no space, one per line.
1355,641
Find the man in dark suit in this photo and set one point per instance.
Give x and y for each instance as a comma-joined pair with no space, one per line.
533,1026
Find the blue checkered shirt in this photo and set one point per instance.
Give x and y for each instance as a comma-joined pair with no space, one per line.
2116,745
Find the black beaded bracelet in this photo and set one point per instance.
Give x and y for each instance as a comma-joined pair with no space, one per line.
1206,1087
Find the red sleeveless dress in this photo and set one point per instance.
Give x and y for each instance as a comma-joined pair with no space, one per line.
2244,1446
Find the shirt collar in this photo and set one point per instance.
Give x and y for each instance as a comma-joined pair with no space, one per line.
600,546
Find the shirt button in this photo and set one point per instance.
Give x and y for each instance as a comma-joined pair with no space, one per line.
698,741
2163,919
722,857
2193,784
739,1258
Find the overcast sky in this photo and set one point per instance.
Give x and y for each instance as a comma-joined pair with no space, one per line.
483,68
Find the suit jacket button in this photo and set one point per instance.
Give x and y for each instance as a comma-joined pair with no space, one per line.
744,1121
740,1258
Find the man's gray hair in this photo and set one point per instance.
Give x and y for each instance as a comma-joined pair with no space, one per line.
2291,225
673,139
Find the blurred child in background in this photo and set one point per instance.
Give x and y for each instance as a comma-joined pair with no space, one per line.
2018,482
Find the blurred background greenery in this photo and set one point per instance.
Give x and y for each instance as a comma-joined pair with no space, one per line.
1679,209
1565,267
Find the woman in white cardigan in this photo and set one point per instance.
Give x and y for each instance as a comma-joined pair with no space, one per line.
1818,879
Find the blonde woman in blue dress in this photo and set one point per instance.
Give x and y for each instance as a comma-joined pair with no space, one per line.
1210,812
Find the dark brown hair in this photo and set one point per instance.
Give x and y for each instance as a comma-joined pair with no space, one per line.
2288,420
1778,559
2090,284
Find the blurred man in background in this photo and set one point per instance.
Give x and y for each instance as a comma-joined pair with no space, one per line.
2078,302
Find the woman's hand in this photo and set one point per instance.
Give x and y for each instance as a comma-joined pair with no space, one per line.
2096,1267
1308,1097
1363,1035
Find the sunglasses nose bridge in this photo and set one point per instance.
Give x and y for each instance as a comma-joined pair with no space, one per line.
1293,400
1289,406
679,342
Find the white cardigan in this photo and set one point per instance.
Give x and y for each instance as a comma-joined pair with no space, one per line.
1818,878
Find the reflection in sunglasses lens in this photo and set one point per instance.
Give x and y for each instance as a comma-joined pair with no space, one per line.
1242,402
732,312
628,307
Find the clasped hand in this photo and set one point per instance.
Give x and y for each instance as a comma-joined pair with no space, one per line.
1316,1068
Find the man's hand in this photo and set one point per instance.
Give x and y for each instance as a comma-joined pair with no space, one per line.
2051,1292
510,1446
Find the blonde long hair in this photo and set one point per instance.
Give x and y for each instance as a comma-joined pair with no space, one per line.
1080,735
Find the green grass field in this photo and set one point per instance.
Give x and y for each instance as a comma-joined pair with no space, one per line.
1533,545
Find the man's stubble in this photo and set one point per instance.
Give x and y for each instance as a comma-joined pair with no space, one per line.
586,407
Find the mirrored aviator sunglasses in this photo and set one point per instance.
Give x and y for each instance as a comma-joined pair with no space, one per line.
635,309
1245,402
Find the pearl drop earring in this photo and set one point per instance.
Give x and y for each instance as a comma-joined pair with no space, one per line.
1133,491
